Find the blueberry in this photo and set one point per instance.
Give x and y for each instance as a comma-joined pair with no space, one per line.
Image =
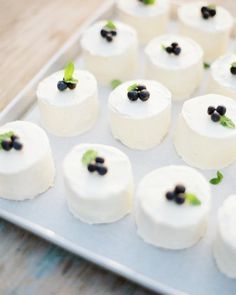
179,189
114,33
6,145
210,110
71,85
170,196
212,12
233,70
206,14
61,85
14,137
109,37
92,167
169,49
103,33
99,160
204,9
215,117
180,199
141,87
133,95
176,50
144,95
102,170
221,110
17,145
174,44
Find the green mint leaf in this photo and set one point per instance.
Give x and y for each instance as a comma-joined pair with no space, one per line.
218,179
115,83
163,47
132,87
212,6
233,64
206,65
110,25
149,2
219,175
69,71
89,156
5,136
192,199
227,122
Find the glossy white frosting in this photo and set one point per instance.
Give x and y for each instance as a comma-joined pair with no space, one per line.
181,74
137,124
164,223
69,112
110,60
201,142
221,80
212,34
148,20
29,172
225,243
98,199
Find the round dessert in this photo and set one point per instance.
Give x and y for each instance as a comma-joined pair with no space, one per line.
172,207
68,108
223,76
205,136
225,244
209,25
110,51
140,113
26,163
148,17
99,183
175,61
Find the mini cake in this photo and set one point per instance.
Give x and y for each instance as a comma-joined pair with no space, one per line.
225,244
177,62
172,206
148,17
26,163
205,136
99,183
110,51
68,102
209,25
223,76
140,113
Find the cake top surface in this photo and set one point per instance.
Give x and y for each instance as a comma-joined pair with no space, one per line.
93,42
138,9
190,13
92,185
191,53
227,220
160,99
47,89
154,186
195,114
35,146
220,71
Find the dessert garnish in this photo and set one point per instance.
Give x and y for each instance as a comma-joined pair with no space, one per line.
68,80
208,11
233,68
216,180
115,83
137,91
180,196
218,115
94,162
206,65
173,48
10,140
109,31
147,2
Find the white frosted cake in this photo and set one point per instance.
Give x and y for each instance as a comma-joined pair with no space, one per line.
68,112
223,76
26,163
205,136
98,182
108,53
140,123
225,243
209,25
150,19
172,206
175,61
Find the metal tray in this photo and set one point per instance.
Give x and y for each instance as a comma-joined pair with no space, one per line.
116,246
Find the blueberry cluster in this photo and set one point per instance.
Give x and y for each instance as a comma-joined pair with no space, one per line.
63,85
98,165
138,92
216,113
208,12
233,69
108,34
177,195
173,48
11,143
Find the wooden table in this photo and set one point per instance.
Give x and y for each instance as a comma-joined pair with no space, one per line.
30,32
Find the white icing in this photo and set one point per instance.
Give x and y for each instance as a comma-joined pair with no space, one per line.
94,198
225,244
32,165
69,112
151,118
175,71
201,142
163,223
